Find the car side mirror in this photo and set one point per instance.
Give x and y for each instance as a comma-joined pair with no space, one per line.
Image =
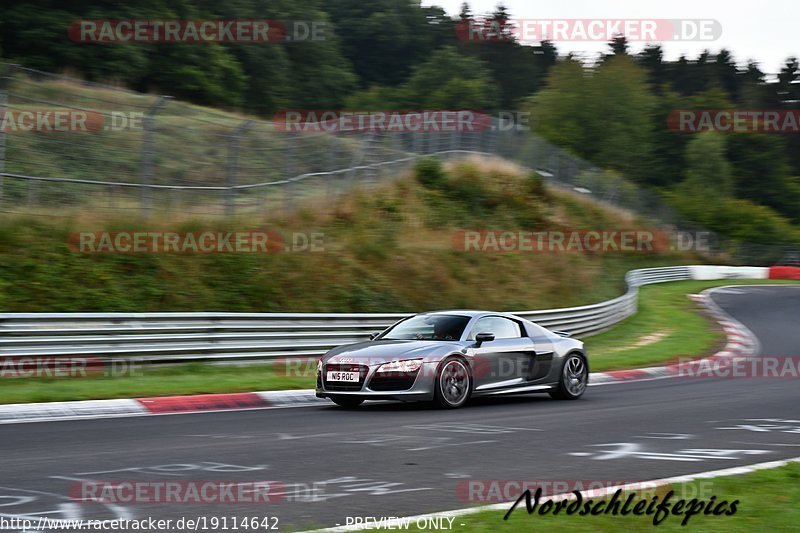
484,337
372,336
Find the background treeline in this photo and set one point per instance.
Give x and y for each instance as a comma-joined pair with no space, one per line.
399,54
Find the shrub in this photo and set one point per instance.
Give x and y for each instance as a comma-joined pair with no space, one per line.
429,172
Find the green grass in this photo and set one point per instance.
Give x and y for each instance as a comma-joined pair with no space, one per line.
662,307
143,382
666,312
388,250
768,501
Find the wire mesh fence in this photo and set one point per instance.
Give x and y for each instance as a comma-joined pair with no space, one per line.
149,153
69,146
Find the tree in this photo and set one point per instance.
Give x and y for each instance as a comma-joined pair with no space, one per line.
680,72
788,86
383,39
761,172
560,107
752,92
667,164
450,80
652,59
708,172
465,13
620,111
618,46
727,75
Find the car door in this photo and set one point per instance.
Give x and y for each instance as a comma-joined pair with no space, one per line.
507,360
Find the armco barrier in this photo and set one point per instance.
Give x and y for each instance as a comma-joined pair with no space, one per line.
728,272
221,337
784,272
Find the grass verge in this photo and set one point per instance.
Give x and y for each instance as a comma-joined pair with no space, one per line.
767,502
667,325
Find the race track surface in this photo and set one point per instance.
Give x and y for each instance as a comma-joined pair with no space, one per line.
394,459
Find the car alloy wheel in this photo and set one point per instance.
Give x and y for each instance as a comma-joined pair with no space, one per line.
453,383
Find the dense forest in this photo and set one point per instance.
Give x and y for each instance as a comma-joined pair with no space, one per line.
399,54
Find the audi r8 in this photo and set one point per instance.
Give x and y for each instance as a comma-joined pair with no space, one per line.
448,357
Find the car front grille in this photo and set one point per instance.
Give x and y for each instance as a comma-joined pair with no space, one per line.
342,386
393,381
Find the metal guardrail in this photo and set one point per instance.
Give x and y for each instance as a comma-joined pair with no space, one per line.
241,337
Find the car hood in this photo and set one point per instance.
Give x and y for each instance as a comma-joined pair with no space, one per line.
381,351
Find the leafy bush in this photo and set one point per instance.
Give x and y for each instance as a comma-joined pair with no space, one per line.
430,172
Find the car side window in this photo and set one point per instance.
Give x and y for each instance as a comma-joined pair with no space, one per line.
502,328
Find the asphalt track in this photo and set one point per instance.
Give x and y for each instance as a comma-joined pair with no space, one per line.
397,459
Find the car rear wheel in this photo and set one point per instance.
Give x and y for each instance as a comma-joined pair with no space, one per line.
348,402
453,383
574,378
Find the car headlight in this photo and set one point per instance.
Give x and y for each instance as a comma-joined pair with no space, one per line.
408,365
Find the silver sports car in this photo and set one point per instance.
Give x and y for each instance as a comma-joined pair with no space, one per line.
449,356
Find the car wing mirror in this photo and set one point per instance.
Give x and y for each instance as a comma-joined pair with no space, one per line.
480,338
373,336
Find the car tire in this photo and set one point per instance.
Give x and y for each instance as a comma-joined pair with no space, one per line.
453,385
573,379
348,402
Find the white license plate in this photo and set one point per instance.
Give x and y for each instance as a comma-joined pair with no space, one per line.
343,376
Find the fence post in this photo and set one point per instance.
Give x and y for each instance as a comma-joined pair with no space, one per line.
148,152
492,141
455,144
333,164
5,76
233,166
396,143
369,149
288,170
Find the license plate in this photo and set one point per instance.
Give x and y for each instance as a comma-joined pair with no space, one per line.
343,376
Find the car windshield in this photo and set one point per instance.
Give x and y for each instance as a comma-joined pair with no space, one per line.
429,327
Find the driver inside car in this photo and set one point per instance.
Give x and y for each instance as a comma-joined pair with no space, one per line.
441,331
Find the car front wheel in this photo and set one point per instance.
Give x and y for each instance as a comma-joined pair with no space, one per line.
453,383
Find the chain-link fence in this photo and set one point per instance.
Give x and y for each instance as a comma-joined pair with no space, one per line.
141,153
149,153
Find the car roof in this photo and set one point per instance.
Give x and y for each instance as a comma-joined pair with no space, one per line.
466,312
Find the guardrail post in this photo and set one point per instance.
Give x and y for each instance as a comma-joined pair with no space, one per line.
233,166
148,152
